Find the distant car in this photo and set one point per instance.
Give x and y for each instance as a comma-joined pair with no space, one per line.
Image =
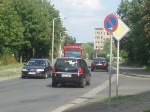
99,63
71,70
37,68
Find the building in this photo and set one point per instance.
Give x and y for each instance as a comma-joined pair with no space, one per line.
101,36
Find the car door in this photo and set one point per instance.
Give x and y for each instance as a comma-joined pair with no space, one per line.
85,68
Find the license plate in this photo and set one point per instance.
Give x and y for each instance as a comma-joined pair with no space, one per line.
99,64
31,73
66,75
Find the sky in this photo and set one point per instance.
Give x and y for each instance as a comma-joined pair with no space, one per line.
83,16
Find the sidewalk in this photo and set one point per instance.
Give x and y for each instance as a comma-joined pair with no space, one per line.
134,71
97,105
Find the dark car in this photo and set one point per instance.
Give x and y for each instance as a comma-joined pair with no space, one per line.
37,68
70,71
99,63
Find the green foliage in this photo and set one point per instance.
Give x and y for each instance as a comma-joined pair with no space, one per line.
26,27
69,40
102,54
7,59
124,55
137,43
88,51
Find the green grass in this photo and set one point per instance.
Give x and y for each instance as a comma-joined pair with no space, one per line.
147,110
11,66
13,70
10,73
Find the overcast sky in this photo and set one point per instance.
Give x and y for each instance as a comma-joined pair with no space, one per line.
83,16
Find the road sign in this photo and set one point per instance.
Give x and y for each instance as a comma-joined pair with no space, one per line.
121,30
111,23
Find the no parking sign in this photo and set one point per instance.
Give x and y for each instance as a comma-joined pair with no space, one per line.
111,23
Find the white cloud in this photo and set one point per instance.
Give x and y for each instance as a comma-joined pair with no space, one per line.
84,15
84,4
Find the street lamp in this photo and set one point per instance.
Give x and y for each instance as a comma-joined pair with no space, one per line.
53,38
61,42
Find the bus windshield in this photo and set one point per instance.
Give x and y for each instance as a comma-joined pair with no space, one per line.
73,53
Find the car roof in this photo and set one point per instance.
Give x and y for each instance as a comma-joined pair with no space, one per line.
38,59
99,58
69,58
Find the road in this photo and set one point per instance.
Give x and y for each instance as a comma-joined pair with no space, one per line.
37,95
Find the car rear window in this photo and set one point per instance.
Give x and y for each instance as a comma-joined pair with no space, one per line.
36,63
66,62
99,59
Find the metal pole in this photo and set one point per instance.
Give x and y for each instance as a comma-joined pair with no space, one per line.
117,69
53,42
60,45
53,39
110,64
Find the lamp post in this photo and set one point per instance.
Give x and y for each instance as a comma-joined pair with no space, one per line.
53,39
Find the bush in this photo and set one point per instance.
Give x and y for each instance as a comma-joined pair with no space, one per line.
7,59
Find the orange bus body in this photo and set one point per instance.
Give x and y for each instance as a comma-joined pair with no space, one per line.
73,51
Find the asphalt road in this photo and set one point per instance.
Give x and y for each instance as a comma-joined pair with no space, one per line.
37,95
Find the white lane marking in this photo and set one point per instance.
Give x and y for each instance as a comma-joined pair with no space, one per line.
86,96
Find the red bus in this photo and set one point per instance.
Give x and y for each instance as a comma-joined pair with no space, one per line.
73,51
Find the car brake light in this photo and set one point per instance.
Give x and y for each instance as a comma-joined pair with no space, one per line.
80,71
105,64
53,69
93,64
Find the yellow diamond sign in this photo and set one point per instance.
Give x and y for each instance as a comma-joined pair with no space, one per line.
121,30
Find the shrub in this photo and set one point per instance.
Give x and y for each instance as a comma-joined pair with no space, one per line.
7,59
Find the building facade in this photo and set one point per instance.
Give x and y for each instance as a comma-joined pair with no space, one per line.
101,36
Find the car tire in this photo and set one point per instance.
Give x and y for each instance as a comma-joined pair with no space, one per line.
22,77
107,70
88,82
92,69
45,76
54,84
82,83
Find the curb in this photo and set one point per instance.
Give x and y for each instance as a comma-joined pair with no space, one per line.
134,75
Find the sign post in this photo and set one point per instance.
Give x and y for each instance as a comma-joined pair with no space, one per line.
121,31
110,25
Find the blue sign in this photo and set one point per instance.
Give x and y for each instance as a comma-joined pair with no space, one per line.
111,23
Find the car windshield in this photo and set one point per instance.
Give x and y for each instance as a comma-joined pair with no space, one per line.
36,63
99,59
66,62
73,53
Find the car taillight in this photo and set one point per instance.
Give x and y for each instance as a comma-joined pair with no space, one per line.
80,71
93,64
105,64
53,69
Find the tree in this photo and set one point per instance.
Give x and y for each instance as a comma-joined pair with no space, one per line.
88,51
135,14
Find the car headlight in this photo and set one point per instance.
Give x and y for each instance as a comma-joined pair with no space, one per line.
39,70
24,69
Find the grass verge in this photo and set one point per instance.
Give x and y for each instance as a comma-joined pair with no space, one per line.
10,70
11,66
129,103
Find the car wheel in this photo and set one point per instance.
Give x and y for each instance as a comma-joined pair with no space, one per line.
106,69
63,84
54,84
45,76
82,84
22,77
92,69
88,82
